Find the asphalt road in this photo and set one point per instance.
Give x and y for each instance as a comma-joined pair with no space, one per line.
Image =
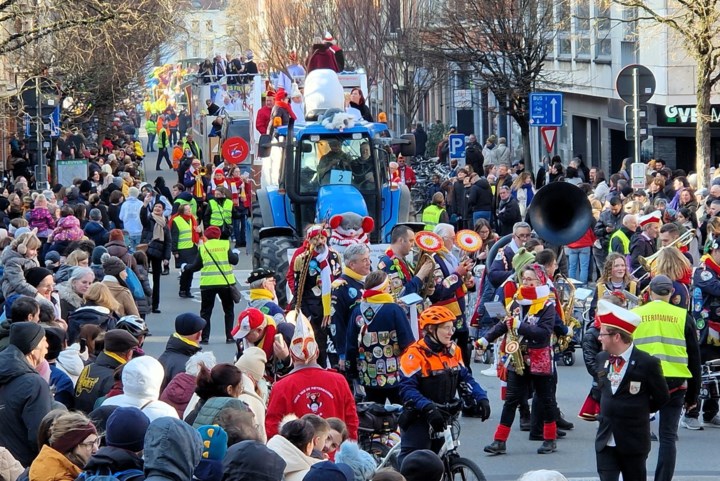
697,459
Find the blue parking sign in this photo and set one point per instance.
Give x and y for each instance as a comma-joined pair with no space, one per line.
457,146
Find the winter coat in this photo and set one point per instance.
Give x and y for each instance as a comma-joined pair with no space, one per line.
42,220
321,57
69,299
205,412
89,314
122,295
179,391
110,459
63,274
24,400
172,450
508,214
4,334
501,154
297,463
177,352
95,381
480,197
96,232
68,229
142,304
141,389
10,468
256,405
130,216
13,280
120,250
147,235
51,465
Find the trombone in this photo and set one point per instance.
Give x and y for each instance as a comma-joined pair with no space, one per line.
648,263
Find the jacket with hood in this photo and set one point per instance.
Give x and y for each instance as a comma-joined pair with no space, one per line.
24,400
179,391
172,450
42,220
141,380
120,250
110,459
123,295
96,380
177,352
63,273
252,461
71,361
10,468
297,463
4,334
97,315
95,231
69,299
256,404
130,215
205,412
51,465
68,229
13,280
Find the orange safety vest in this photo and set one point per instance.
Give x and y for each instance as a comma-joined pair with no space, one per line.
177,155
174,123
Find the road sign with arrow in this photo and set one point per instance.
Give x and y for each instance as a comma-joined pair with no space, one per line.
546,109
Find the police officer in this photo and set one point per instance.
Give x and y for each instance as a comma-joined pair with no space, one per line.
346,292
216,277
667,332
431,373
706,311
219,212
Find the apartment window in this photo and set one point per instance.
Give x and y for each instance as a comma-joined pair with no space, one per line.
196,49
582,28
630,24
209,25
195,26
562,20
603,45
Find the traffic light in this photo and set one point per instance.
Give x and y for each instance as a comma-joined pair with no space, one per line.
40,104
630,122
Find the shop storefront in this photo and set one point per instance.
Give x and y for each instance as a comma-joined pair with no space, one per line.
674,135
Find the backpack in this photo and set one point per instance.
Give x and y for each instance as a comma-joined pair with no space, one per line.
125,475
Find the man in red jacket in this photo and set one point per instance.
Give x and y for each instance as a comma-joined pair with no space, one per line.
263,116
407,175
309,388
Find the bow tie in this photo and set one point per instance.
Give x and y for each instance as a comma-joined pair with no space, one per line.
617,361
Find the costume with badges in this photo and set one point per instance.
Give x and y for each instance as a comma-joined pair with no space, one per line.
398,268
346,292
377,334
706,311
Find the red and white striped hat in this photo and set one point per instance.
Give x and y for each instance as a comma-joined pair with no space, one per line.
655,216
615,316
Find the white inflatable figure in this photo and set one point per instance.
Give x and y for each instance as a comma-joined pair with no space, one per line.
323,91
339,121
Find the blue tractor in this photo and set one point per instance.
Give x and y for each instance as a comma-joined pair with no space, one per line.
320,172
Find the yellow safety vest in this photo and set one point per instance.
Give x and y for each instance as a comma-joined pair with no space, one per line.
193,204
184,240
220,214
212,274
661,334
624,239
431,216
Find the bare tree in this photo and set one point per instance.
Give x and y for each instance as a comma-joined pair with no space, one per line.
697,24
505,44
410,65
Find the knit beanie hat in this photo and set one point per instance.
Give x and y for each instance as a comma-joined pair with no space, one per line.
189,323
252,362
97,253
213,232
112,265
55,337
361,462
26,336
126,428
35,275
214,441
422,465
329,471
116,235
522,258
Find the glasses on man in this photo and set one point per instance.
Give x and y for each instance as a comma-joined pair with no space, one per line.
523,236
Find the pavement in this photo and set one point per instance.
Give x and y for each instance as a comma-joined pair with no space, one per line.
697,458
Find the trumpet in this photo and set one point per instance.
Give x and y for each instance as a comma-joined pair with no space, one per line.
647,263
569,319
202,172
512,348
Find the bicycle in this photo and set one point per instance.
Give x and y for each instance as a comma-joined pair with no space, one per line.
378,423
456,466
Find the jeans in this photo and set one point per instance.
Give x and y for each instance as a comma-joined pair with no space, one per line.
578,260
151,143
163,154
207,304
669,418
133,241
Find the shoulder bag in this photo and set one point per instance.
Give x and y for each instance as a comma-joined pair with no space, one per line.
234,291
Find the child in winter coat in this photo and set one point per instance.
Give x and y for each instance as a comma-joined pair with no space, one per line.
41,218
19,257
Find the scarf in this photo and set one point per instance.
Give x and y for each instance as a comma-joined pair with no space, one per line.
535,297
352,274
159,228
190,219
399,264
378,294
325,280
284,105
710,263
261,294
450,259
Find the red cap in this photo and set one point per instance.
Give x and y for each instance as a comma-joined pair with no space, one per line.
249,319
213,232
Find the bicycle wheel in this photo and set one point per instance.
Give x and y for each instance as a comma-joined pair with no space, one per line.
462,469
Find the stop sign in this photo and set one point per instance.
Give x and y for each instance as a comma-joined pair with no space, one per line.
235,150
